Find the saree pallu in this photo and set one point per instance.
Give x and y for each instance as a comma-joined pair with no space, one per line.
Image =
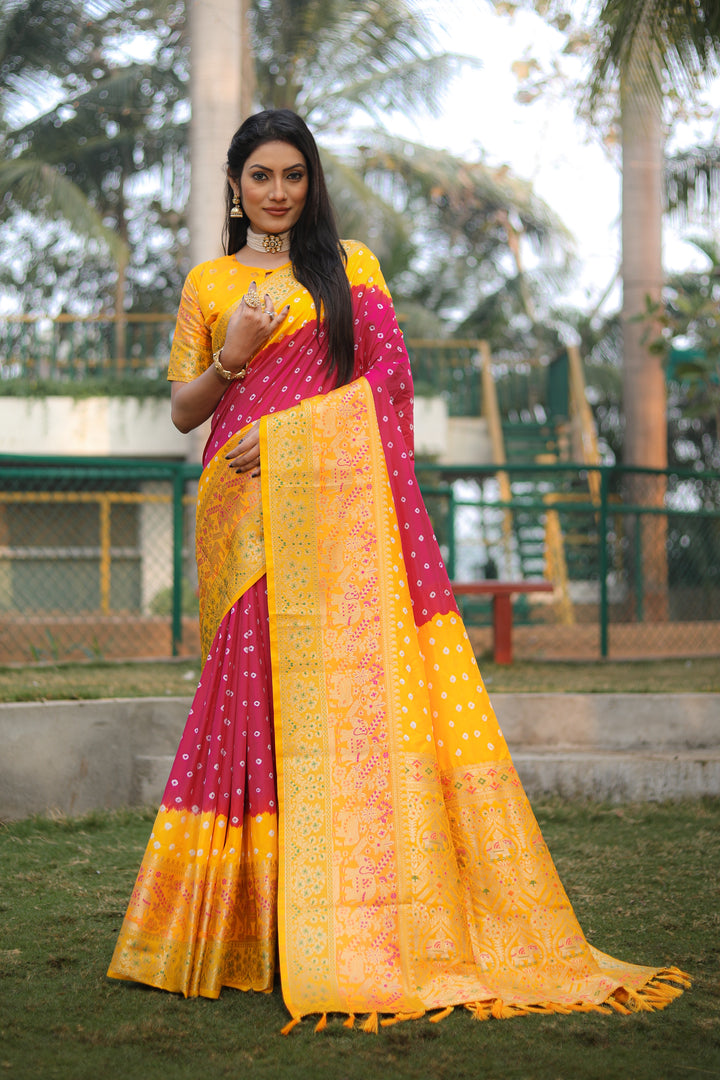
413,875
388,837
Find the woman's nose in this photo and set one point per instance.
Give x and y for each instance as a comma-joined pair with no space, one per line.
278,190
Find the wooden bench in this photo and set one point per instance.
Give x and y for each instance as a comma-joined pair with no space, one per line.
501,593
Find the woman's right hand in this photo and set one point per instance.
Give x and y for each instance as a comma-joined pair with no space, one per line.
249,328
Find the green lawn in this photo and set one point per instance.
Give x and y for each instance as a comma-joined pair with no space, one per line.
178,678
645,881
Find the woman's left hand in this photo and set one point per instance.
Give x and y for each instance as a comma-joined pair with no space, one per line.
245,457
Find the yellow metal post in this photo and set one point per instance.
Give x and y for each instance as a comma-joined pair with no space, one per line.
105,553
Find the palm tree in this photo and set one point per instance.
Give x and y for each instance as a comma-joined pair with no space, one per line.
473,218
334,62
39,39
332,59
78,161
649,44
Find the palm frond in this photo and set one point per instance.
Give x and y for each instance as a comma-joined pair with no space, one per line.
43,190
664,39
362,213
418,83
692,182
327,58
42,40
465,196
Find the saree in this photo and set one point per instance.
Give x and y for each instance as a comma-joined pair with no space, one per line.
343,792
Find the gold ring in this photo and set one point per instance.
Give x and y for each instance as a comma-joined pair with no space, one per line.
252,299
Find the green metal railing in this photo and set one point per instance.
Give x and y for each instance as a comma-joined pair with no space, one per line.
68,349
94,553
614,507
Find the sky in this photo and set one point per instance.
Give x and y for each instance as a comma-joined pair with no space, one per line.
543,142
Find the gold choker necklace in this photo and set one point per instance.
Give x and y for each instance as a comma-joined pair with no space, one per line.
272,243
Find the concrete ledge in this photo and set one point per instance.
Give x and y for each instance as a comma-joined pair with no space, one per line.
610,721
619,777
75,756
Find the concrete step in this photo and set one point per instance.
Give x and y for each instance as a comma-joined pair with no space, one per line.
150,775
606,776
618,776
75,756
653,723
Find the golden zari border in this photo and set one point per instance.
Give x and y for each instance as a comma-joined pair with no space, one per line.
229,539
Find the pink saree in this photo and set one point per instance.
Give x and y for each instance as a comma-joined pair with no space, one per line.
342,790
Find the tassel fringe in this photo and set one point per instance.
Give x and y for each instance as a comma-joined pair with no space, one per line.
399,1018
657,994
371,1024
289,1026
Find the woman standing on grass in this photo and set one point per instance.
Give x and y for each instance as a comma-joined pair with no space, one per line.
342,796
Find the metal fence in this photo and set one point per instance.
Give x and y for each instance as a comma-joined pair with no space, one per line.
67,348
96,557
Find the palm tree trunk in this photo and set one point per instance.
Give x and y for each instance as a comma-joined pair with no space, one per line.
644,388
216,44
216,30
247,74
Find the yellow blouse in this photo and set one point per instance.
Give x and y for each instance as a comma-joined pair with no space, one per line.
209,290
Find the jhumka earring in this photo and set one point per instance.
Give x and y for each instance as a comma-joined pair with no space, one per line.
236,211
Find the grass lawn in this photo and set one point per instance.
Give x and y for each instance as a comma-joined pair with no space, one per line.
645,882
179,678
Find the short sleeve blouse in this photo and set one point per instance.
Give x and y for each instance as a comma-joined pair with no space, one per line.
209,290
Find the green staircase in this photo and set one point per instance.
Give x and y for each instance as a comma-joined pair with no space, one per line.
542,534
526,442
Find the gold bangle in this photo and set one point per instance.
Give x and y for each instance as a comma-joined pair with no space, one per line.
231,376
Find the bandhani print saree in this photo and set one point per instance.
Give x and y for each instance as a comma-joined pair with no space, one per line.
342,790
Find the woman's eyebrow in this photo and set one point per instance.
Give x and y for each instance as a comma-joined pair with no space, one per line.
266,168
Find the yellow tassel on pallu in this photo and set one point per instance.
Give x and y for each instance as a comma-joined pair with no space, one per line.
672,974
500,1011
289,1026
481,1010
654,996
400,1018
637,1002
371,1024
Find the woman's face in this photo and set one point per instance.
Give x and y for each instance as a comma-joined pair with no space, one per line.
273,186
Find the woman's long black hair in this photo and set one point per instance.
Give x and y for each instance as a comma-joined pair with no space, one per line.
317,257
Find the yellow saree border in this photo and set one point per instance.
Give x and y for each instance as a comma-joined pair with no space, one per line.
228,538
412,872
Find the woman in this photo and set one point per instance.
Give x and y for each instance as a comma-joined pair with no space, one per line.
342,790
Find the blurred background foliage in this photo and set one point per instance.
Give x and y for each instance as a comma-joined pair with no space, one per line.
94,182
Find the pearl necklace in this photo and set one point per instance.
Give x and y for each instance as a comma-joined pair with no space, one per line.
272,243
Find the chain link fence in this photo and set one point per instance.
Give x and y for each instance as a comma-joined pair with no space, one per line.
97,560
94,560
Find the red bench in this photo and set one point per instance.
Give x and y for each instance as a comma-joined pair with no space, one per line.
501,593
